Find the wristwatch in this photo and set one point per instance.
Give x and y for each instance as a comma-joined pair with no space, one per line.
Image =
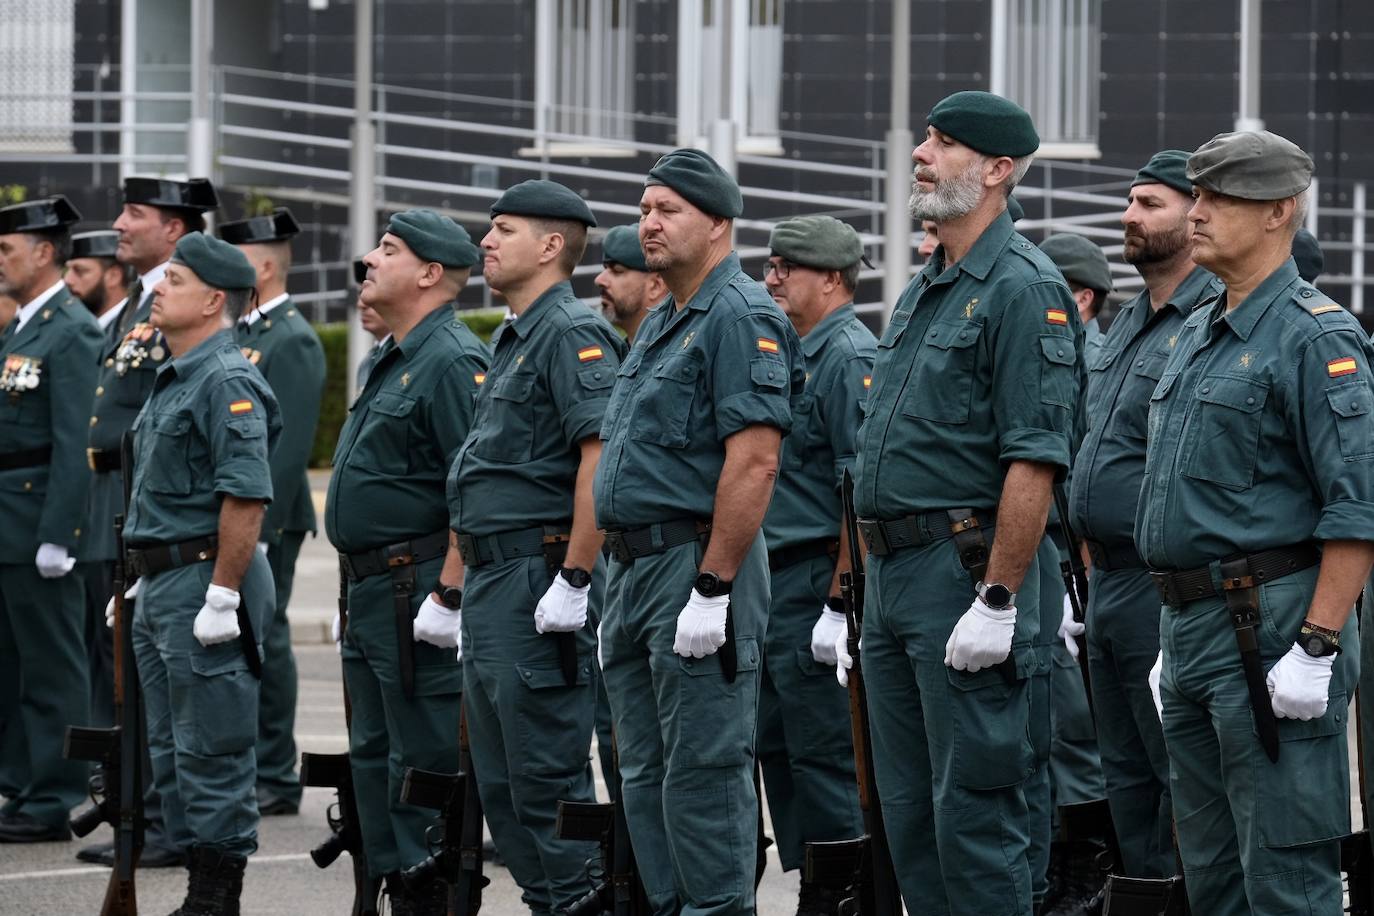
710,585
577,578
996,595
450,596
1319,642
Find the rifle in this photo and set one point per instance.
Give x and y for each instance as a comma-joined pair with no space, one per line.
1357,855
616,888
1075,576
118,750
334,771
866,861
456,841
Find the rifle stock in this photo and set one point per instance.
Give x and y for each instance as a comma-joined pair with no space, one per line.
616,888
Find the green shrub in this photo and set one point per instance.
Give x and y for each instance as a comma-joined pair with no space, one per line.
334,405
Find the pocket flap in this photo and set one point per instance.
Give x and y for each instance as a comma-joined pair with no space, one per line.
543,678
513,387
767,372
1349,400
954,335
681,368
222,658
1236,393
1150,365
746,659
393,404
246,427
593,378
171,424
1056,349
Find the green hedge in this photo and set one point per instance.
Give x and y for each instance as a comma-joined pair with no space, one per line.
334,406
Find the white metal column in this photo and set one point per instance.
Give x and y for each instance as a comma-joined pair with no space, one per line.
128,85
544,51
1248,78
897,221
200,135
362,210
689,15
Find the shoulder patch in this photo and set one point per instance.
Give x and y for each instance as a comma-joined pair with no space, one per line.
1056,316
239,408
590,354
1344,365
767,345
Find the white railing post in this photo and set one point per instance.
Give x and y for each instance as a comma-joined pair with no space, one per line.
362,210
897,219
1357,242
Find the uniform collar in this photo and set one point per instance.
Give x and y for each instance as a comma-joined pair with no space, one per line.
718,277
149,280
29,309
1185,299
427,326
982,256
826,328
112,315
186,364
530,317
1243,319
261,311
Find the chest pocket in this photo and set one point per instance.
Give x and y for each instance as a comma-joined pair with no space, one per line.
1225,431
508,430
801,441
1056,371
666,404
169,465
1130,420
384,444
941,387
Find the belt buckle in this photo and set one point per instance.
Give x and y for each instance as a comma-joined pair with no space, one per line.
874,534
1164,586
399,555
620,550
467,548
347,563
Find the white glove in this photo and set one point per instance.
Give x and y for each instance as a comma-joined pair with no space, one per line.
1069,628
701,625
1299,683
336,632
438,625
52,561
1155,673
829,629
129,594
262,547
981,638
563,609
218,620
843,660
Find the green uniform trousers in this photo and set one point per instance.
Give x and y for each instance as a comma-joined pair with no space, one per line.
531,732
390,732
1123,643
1255,836
276,745
43,651
951,750
201,704
1038,788
14,748
686,734
805,744
97,583
1366,695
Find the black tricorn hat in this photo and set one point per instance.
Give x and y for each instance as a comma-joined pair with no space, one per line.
279,226
99,244
49,214
192,194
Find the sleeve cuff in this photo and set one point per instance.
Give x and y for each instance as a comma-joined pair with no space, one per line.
737,411
584,420
242,480
1346,520
1045,446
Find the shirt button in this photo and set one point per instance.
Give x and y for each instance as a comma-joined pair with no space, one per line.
932,335
1306,294
99,390
1354,405
94,421
28,485
963,335
770,375
1249,400
109,362
1205,390
1140,364
1059,352
596,375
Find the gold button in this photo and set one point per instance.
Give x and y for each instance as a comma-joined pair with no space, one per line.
99,390
94,420
28,485
109,362
78,532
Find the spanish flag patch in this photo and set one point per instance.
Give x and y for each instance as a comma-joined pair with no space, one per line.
479,377
238,407
868,381
587,354
767,346
1343,366
1056,316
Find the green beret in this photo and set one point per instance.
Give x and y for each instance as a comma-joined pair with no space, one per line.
621,246
1307,253
1168,166
216,262
1015,210
987,123
540,198
701,180
1079,260
434,237
822,242
1252,165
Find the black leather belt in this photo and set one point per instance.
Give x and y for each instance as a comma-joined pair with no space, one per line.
157,558
379,560
103,459
1113,558
1178,587
481,549
630,544
885,536
784,557
26,458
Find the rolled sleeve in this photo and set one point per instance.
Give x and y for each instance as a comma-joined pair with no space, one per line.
238,438
1337,439
752,375
581,375
1035,381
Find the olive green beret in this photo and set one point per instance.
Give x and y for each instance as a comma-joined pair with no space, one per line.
1168,166
434,237
1079,260
1307,253
1253,165
1015,210
216,262
701,180
621,246
987,123
822,242
538,197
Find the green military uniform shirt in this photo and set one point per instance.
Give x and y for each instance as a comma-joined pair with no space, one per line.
546,391
205,433
976,370
47,372
1131,358
287,351
1261,430
401,434
820,448
1092,341
728,359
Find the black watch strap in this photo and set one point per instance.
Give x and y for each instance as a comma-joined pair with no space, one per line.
710,585
577,578
450,596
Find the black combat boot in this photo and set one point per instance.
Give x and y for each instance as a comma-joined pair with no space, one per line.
401,900
818,899
430,900
215,885
1080,880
